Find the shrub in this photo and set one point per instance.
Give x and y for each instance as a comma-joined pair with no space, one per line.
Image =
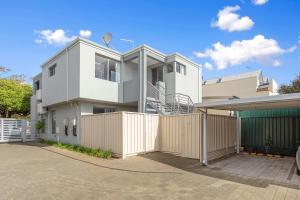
89,151
39,125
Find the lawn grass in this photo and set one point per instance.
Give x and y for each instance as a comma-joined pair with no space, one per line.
89,151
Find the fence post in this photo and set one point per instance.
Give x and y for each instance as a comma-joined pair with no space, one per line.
205,140
123,136
144,133
2,129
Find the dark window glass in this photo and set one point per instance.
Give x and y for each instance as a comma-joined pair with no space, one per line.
157,75
53,122
170,68
52,70
101,68
177,67
154,76
36,86
180,68
97,110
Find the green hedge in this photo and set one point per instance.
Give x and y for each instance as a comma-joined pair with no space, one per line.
89,151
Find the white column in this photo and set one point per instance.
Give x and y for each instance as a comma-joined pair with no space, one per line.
142,70
205,140
107,69
238,132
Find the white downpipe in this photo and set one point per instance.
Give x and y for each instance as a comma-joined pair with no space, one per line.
78,122
67,62
205,140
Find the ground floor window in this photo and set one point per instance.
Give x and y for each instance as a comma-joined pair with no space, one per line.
53,122
97,110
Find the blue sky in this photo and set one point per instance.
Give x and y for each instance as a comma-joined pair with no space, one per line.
266,36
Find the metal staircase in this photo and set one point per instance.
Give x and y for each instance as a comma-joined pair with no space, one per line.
167,104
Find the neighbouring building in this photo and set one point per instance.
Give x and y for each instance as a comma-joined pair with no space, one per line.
251,84
87,78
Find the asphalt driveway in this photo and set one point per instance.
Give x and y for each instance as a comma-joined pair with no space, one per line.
33,171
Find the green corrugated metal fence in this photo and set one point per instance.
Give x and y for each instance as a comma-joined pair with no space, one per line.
287,112
281,126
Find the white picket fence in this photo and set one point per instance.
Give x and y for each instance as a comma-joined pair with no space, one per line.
15,130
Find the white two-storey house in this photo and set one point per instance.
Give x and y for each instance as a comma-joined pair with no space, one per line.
87,78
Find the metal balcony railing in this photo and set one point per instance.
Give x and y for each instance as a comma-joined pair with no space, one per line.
168,104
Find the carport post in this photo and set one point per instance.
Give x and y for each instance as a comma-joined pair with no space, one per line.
238,132
205,145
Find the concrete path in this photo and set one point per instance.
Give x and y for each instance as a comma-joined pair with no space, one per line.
39,172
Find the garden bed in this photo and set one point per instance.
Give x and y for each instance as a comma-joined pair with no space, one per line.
81,149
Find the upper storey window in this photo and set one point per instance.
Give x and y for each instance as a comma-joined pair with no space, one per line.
36,86
170,68
107,69
52,70
180,68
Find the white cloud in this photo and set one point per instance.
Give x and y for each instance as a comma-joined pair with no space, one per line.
259,49
230,21
39,41
276,63
299,40
292,49
53,37
85,33
208,66
259,2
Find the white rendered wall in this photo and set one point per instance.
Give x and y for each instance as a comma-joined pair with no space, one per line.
65,111
64,85
91,87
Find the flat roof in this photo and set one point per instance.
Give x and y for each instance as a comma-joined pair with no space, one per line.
233,77
254,103
80,39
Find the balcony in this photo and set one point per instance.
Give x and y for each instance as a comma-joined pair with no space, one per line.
131,90
38,95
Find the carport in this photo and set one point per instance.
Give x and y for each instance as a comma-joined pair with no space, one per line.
245,104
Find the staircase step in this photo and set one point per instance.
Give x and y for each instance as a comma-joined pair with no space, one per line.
151,110
152,99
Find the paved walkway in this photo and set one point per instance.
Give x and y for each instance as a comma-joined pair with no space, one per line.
278,170
35,172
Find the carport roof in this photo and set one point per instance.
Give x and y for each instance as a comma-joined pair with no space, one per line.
254,103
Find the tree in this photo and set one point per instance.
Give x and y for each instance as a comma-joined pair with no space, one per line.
14,94
293,87
3,69
14,97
